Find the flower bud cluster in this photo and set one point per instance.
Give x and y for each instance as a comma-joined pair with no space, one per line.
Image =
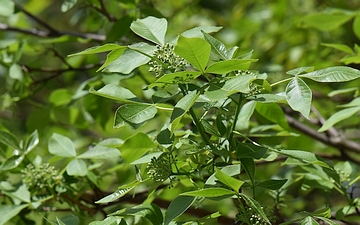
251,217
344,176
167,60
41,177
159,169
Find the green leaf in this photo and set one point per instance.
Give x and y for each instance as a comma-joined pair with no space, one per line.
309,221
165,138
299,96
247,150
150,28
326,22
342,91
136,55
333,74
59,222
305,157
356,26
182,77
230,170
15,72
177,207
195,50
110,220
224,67
147,158
272,112
9,139
100,152
136,146
199,31
217,47
69,220
341,47
151,212
244,116
300,70
219,91
99,49
111,57
135,114
76,167
123,190
115,92
67,4
210,192
10,211
12,162
330,222
181,107
339,116
229,181
61,146
249,166
254,205
354,103
7,8
272,184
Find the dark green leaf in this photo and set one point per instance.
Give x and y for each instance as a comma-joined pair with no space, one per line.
272,112
9,139
254,205
217,47
247,150
272,184
182,77
249,166
177,207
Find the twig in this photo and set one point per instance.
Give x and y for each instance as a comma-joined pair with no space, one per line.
104,11
340,143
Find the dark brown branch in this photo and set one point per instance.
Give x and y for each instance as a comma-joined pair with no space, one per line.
104,11
337,142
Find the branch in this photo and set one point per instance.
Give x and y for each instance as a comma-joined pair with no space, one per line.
104,11
340,143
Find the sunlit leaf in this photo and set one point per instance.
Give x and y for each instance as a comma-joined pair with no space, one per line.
300,70
305,157
61,146
339,116
135,114
217,47
136,146
10,211
299,96
99,49
309,221
150,28
195,50
210,192
123,190
116,92
9,139
333,74
76,167
67,4
224,67
7,8
229,181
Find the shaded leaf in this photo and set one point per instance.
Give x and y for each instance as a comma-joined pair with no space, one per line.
272,184
136,146
272,112
76,167
12,162
135,114
247,150
210,192
61,146
151,212
195,50
341,47
110,220
9,211
333,74
123,190
150,28
356,26
326,22
111,57
254,205
299,96
309,221
9,139
177,207
339,116
224,67
249,166
244,116
305,157
182,77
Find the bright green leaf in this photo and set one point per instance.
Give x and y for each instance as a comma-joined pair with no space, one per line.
219,91
339,116
7,8
61,146
177,207
195,50
110,220
210,192
224,67
135,114
67,4
300,70
229,181
305,157
217,47
354,103
150,28
333,74
15,72
341,47
147,158
123,190
111,57
299,96
244,116
309,221
31,142
12,162
182,77
342,91
100,152
356,26
115,92
136,146
99,49
9,211
326,22
76,167
181,107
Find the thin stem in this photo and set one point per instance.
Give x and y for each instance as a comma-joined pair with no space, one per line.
281,81
237,111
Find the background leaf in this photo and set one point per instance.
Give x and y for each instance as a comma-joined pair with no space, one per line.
136,146
333,74
177,207
9,139
209,192
338,116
